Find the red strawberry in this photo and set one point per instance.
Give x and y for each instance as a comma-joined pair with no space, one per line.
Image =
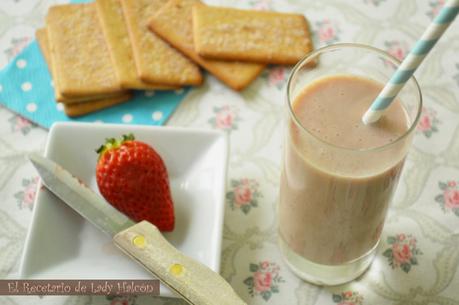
133,178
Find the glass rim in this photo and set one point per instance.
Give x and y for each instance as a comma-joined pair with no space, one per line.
314,53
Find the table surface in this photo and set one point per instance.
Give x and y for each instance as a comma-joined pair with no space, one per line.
418,257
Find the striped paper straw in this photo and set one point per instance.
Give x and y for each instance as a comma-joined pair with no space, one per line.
412,61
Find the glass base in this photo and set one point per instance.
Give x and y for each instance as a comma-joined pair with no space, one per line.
325,274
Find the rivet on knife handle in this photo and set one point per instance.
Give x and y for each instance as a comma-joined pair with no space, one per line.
195,282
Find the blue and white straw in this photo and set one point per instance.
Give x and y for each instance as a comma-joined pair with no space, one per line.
412,61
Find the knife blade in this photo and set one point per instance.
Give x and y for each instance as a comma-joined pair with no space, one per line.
76,194
143,242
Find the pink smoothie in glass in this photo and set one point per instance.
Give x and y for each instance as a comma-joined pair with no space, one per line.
333,201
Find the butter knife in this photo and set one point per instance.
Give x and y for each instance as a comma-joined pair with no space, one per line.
143,242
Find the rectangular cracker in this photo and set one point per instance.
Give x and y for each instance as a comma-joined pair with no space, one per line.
80,106
116,34
79,53
42,39
173,22
155,59
256,36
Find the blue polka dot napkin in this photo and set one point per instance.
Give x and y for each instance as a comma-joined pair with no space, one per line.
26,88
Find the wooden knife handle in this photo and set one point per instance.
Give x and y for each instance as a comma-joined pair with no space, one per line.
195,282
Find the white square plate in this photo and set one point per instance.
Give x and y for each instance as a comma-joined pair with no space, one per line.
61,244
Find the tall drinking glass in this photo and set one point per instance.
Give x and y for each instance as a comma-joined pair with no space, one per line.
337,180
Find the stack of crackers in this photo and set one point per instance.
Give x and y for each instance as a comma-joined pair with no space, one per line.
98,52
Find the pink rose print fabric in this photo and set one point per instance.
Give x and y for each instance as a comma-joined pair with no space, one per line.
261,5
402,252
449,196
226,118
265,279
435,7
428,122
277,77
396,48
243,195
26,196
19,124
348,298
327,32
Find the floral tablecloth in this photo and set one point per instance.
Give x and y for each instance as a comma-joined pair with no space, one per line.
418,258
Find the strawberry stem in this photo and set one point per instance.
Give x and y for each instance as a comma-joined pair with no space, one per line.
112,143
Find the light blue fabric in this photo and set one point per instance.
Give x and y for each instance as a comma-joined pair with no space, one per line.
26,88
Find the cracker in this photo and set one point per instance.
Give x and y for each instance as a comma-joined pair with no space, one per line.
42,39
79,53
173,22
116,34
155,59
81,106
79,109
255,36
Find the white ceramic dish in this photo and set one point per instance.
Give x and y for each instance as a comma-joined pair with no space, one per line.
61,244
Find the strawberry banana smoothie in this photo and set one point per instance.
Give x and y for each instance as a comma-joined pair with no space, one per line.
338,174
